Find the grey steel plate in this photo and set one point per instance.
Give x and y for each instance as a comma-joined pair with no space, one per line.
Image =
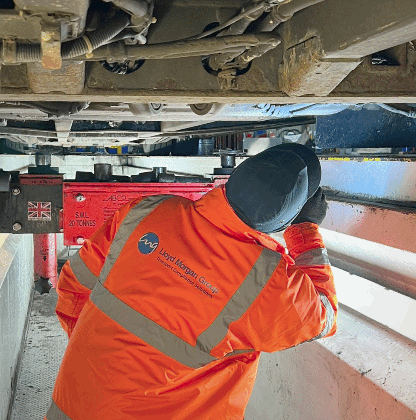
44,348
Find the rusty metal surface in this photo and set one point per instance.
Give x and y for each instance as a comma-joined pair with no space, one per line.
51,45
183,49
75,10
73,7
305,71
353,29
206,96
319,53
375,80
14,77
9,51
68,80
13,25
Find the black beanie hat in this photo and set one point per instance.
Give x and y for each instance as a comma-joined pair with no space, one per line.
267,191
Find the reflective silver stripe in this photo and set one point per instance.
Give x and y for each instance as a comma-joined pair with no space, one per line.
317,256
330,317
83,274
148,330
242,299
157,336
237,352
129,224
55,413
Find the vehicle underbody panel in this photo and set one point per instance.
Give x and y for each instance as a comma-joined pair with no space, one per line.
332,52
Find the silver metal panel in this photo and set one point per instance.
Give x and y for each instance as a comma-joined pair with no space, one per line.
16,281
45,345
371,179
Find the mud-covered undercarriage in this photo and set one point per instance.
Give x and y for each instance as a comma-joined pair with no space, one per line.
185,63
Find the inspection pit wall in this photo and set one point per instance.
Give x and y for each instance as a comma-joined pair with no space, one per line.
16,286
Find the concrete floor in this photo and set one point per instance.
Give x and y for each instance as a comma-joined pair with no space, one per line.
44,348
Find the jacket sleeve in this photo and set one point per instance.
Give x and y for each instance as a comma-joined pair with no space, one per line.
81,271
298,302
306,246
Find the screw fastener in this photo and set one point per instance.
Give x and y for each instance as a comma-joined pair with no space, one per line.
17,227
15,190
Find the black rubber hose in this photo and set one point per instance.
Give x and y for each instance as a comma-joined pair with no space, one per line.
26,53
99,37
71,49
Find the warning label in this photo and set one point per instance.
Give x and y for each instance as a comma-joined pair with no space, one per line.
82,219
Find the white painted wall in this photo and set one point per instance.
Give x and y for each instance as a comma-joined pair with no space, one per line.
16,283
367,371
364,372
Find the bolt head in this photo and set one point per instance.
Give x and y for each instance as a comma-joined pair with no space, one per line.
80,240
79,198
15,190
17,227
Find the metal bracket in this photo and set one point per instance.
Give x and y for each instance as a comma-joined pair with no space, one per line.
9,51
31,203
51,45
306,70
5,179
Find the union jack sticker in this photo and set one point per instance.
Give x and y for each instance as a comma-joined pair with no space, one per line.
39,210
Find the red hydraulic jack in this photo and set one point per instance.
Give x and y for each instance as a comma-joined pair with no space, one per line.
88,205
42,204
45,261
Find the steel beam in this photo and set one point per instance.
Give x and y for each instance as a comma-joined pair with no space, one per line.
392,268
394,228
371,179
385,96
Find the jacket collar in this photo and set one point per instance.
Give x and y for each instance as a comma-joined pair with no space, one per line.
215,208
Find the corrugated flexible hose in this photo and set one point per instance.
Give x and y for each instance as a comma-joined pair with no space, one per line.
32,52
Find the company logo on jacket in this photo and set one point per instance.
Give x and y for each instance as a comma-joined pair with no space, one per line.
148,243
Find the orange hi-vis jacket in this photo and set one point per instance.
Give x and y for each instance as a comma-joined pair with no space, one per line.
170,303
